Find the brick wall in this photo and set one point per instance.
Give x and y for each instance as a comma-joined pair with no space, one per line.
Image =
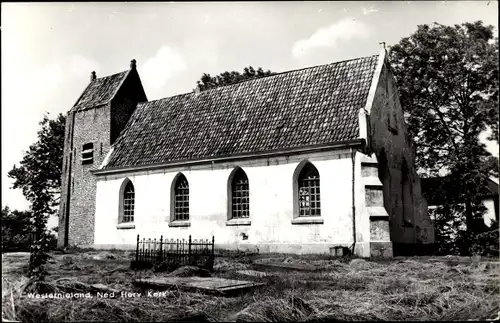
100,126
90,126
64,204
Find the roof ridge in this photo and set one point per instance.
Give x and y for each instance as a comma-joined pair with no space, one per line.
110,75
321,105
98,82
295,70
262,77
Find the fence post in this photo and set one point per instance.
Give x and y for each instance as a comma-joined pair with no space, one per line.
137,251
161,248
154,254
212,260
148,257
189,251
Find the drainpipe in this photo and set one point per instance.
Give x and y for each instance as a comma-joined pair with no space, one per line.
353,153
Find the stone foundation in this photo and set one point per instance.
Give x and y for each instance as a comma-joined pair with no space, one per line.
380,244
381,249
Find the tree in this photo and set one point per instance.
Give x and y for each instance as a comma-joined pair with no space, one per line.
16,229
39,177
207,82
448,84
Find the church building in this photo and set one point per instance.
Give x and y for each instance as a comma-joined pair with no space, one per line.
304,161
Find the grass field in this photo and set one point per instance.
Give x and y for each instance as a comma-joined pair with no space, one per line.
426,289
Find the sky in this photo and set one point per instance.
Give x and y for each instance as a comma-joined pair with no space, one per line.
50,49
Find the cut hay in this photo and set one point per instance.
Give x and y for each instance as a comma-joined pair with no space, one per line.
289,309
223,264
189,271
347,289
141,309
361,264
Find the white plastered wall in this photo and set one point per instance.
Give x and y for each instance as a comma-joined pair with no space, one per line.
271,205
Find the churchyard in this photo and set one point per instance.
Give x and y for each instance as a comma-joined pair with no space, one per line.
87,285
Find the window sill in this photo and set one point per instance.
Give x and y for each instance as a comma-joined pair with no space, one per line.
238,222
126,225
307,220
179,224
377,213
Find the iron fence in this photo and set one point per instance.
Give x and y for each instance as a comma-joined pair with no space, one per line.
170,253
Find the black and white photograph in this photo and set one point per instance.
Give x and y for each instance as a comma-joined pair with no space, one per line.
232,161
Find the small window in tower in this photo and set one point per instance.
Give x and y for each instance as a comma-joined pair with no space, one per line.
87,154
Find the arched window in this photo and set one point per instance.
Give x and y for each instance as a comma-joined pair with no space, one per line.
309,191
181,199
240,200
128,202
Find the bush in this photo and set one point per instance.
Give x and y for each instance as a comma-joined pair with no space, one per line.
16,230
486,243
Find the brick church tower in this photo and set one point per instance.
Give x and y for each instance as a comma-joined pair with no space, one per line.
92,126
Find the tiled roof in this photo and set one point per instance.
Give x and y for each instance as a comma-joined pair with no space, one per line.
311,106
99,91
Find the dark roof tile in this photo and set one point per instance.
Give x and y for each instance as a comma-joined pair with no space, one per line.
317,105
100,91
